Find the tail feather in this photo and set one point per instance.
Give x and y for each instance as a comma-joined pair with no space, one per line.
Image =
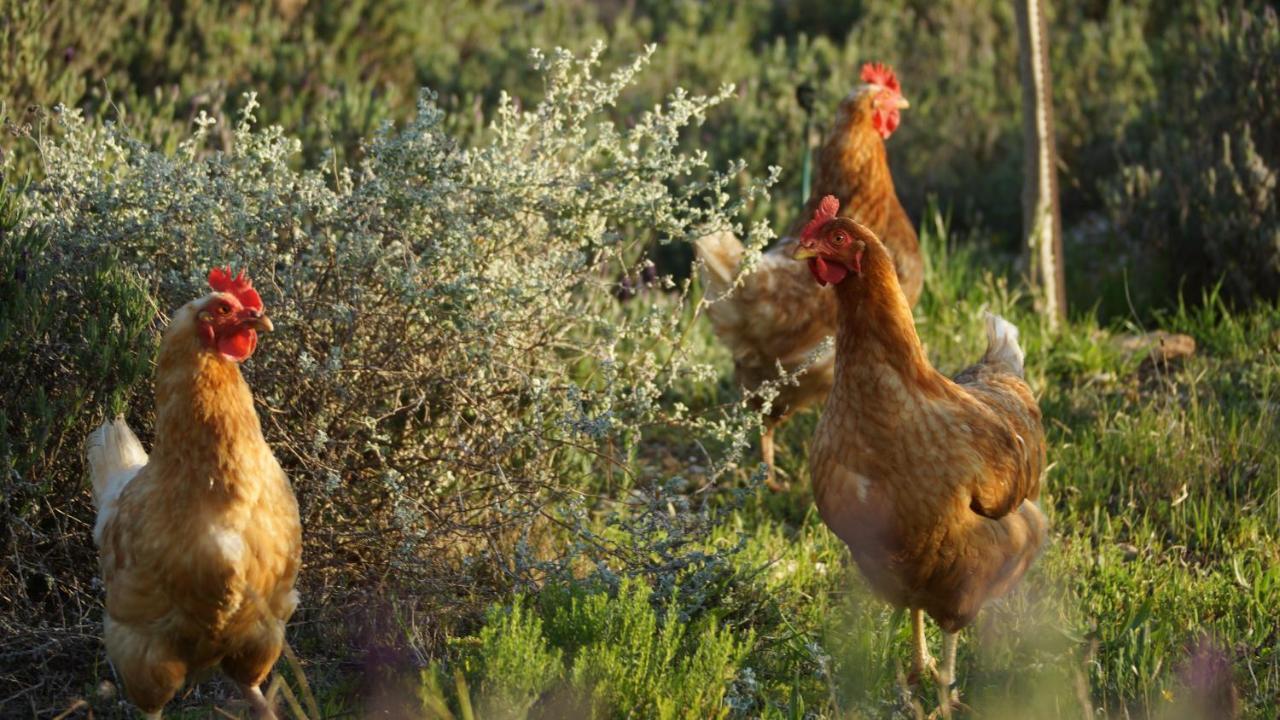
114,456
721,253
1002,345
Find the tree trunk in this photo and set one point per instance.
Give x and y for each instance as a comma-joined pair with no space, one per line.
1041,216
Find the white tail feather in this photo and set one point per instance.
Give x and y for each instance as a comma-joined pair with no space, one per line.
1002,344
114,456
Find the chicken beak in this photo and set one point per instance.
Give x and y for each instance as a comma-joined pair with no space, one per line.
803,253
260,322
902,103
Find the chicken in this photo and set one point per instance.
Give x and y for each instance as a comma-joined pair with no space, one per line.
775,316
853,166
200,544
931,482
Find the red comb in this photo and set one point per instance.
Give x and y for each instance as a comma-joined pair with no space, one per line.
882,75
221,280
827,209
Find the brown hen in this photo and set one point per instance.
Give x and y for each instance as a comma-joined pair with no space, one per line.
774,316
200,543
931,482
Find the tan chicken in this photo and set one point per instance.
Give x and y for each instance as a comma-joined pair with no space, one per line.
775,316
932,482
200,543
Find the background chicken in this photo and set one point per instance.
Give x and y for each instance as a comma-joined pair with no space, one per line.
775,316
853,166
931,482
200,543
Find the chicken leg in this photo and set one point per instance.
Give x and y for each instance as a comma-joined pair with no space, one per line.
921,660
261,708
947,676
948,697
766,450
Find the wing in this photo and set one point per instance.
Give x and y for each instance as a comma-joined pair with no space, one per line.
1003,425
276,536
160,570
135,586
778,313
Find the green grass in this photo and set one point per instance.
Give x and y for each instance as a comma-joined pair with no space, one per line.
1163,571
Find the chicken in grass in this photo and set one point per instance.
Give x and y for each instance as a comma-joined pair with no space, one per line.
776,316
931,481
200,543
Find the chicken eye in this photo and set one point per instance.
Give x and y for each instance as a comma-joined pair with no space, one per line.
223,309
840,238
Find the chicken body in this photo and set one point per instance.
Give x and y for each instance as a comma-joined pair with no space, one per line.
933,485
776,316
932,482
201,543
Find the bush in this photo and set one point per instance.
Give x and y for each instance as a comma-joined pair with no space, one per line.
517,665
1199,191
332,72
450,361
627,658
71,345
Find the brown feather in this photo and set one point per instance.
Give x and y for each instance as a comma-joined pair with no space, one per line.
774,317
931,481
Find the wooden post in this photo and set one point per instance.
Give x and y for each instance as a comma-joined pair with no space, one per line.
1041,215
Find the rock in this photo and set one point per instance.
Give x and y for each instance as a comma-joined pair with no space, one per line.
1158,346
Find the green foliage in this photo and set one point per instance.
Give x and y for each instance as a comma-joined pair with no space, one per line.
331,73
634,660
1199,191
626,657
516,664
73,347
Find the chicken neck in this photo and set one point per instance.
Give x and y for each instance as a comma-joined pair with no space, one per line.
854,167
205,417
876,341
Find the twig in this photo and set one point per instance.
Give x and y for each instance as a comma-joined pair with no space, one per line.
74,707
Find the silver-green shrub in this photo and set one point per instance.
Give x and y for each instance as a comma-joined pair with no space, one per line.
1199,192
449,360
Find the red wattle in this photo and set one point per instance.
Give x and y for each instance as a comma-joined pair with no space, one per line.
238,346
827,273
885,122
